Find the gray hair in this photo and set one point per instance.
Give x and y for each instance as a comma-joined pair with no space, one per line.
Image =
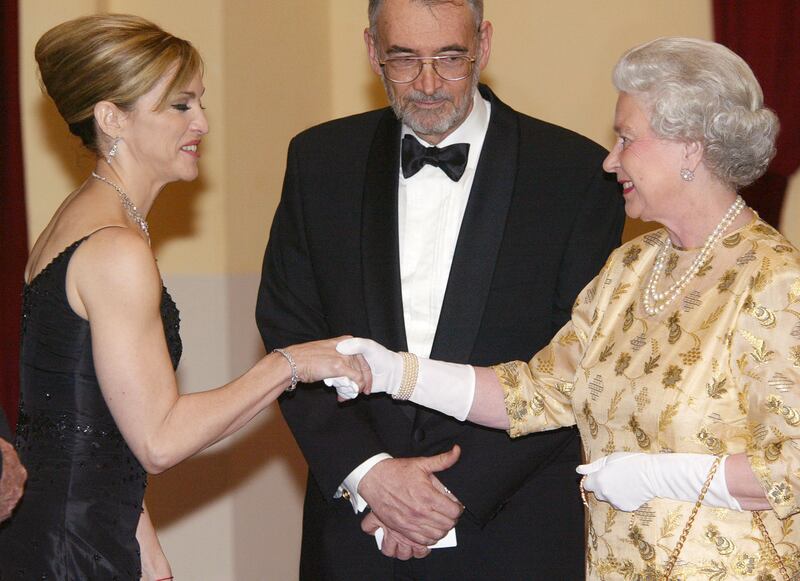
375,7
699,90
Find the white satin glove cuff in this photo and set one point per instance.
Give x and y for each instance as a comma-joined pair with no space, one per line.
629,479
445,387
682,477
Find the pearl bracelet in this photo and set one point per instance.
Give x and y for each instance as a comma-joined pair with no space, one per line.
410,374
292,364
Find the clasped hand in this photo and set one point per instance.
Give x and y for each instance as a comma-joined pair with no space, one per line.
410,503
12,482
386,368
317,360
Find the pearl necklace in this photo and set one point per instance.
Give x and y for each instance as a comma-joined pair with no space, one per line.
129,206
654,302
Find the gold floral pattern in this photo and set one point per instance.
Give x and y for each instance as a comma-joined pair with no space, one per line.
716,388
712,443
780,493
672,262
642,439
732,240
646,550
764,316
724,545
672,376
794,355
674,323
745,564
632,255
776,406
593,426
727,280
622,363
718,374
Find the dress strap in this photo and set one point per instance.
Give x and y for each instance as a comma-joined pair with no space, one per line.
67,252
90,234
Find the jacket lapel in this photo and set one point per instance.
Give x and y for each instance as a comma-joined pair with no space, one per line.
380,252
479,239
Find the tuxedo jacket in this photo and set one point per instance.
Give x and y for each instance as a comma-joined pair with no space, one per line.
540,221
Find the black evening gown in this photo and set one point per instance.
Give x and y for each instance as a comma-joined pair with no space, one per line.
77,519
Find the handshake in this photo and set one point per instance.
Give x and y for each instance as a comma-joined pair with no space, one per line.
626,480
445,387
382,364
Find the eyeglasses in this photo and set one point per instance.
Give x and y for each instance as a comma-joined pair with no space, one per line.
406,69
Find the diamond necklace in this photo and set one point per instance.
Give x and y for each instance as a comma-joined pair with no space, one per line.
129,206
654,302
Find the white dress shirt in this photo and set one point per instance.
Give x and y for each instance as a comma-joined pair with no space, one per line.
430,210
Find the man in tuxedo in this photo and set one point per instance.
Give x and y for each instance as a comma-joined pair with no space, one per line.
12,473
454,227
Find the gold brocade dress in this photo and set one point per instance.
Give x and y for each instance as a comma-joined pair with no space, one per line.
716,372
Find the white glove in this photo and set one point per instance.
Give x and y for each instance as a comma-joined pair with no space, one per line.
445,387
627,480
346,388
386,367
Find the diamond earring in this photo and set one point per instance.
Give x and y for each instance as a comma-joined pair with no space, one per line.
113,151
687,175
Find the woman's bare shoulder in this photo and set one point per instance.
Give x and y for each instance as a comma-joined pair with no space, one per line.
113,267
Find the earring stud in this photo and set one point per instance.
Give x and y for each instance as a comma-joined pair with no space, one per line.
687,175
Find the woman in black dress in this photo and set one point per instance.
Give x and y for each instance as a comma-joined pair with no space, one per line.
99,404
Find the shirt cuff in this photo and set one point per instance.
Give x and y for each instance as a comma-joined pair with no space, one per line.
349,488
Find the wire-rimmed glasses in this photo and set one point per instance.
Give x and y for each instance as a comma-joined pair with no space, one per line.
406,69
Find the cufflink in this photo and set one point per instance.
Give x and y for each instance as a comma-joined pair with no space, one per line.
346,494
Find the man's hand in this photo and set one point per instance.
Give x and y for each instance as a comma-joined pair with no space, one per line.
394,544
13,481
404,494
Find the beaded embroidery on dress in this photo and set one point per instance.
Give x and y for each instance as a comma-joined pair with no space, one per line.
78,516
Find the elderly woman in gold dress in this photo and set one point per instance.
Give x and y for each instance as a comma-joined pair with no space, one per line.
681,363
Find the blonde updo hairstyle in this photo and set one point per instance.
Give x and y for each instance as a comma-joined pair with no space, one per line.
109,57
698,90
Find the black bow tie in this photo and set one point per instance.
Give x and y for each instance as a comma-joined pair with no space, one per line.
452,160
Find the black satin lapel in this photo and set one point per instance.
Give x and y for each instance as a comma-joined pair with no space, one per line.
379,239
479,239
380,246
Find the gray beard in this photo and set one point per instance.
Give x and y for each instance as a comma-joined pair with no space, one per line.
419,123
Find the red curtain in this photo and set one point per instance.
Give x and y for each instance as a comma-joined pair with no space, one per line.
13,230
766,33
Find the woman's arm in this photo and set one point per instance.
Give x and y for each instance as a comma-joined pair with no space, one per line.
113,281
627,480
488,406
743,484
765,365
477,394
517,396
155,565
